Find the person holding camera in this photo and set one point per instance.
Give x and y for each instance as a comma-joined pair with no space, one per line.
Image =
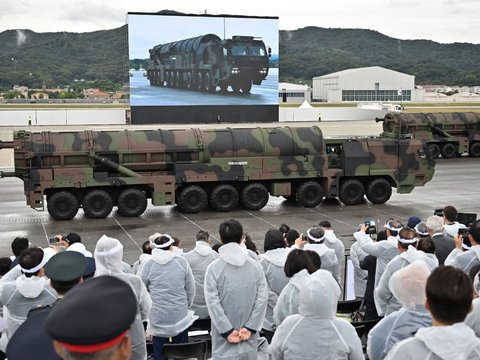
407,241
466,260
384,250
332,242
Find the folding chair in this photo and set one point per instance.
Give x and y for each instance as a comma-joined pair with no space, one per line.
193,350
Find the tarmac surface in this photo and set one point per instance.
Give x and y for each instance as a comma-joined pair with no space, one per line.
455,183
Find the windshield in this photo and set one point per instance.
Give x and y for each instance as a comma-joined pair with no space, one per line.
239,50
257,50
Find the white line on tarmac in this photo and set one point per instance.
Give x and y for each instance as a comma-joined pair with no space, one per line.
259,218
127,233
45,231
198,226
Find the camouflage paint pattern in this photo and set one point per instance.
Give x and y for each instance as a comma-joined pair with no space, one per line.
462,130
163,162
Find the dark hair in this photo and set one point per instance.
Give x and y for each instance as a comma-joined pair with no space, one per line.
18,245
202,235
163,239
449,294
146,248
231,231
315,259
5,264
316,232
216,246
72,238
407,233
450,213
426,245
298,260
61,287
382,235
473,272
325,224
291,236
273,240
396,224
284,228
29,258
474,231
250,244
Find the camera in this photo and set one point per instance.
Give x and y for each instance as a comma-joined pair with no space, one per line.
53,239
438,212
304,237
462,231
371,227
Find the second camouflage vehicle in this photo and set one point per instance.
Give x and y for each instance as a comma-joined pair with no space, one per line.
204,62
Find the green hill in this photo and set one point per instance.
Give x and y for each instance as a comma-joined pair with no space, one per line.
58,59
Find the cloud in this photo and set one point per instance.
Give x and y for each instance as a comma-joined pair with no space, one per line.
21,38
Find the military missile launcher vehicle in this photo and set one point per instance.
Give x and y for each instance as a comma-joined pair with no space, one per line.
447,134
193,168
205,62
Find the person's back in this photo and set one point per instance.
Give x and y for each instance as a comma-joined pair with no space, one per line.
449,294
316,239
369,263
199,258
359,275
236,296
408,286
443,245
315,332
466,260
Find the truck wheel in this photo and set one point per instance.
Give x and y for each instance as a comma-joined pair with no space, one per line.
97,204
189,81
209,87
379,191
200,86
474,150
131,202
178,80
254,196
434,150
351,192
235,88
224,198
310,194
192,199
62,205
246,87
449,151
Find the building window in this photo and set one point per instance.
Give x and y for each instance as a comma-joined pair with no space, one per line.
376,95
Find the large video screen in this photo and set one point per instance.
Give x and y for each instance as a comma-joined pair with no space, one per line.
202,68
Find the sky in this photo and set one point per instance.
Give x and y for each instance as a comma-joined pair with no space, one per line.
444,21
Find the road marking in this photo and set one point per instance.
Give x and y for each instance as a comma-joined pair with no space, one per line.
127,233
45,232
198,226
259,218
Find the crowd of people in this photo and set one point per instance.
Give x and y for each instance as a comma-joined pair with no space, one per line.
417,281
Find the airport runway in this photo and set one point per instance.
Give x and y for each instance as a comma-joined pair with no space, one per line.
454,183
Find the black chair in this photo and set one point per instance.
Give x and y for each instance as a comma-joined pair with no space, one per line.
369,324
349,306
193,350
360,331
201,325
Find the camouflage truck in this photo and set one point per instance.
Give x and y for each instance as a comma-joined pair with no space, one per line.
205,62
447,134
97,170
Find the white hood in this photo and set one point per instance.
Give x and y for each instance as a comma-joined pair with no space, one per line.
233,254
30,287
330,236
460,338
299,278
451,229
476,250
79,247
321,249
162,256
177,250
108,256
202,248
412,254
277,256
319,295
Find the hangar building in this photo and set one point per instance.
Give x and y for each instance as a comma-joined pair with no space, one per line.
293,93
373,83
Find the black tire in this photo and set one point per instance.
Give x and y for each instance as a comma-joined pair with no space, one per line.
209,87
131,202
224,198
62,205
178,80
254,196
351,192
434,150
223,88
235,88
192,199
449,151
379,191
97,204
246,87
474,150
310,194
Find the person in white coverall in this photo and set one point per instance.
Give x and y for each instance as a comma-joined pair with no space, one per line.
449,299
316,242
315,332
199,258
332,242
407,241
466,260
171,284
108,261
408,286
236,295
297,268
